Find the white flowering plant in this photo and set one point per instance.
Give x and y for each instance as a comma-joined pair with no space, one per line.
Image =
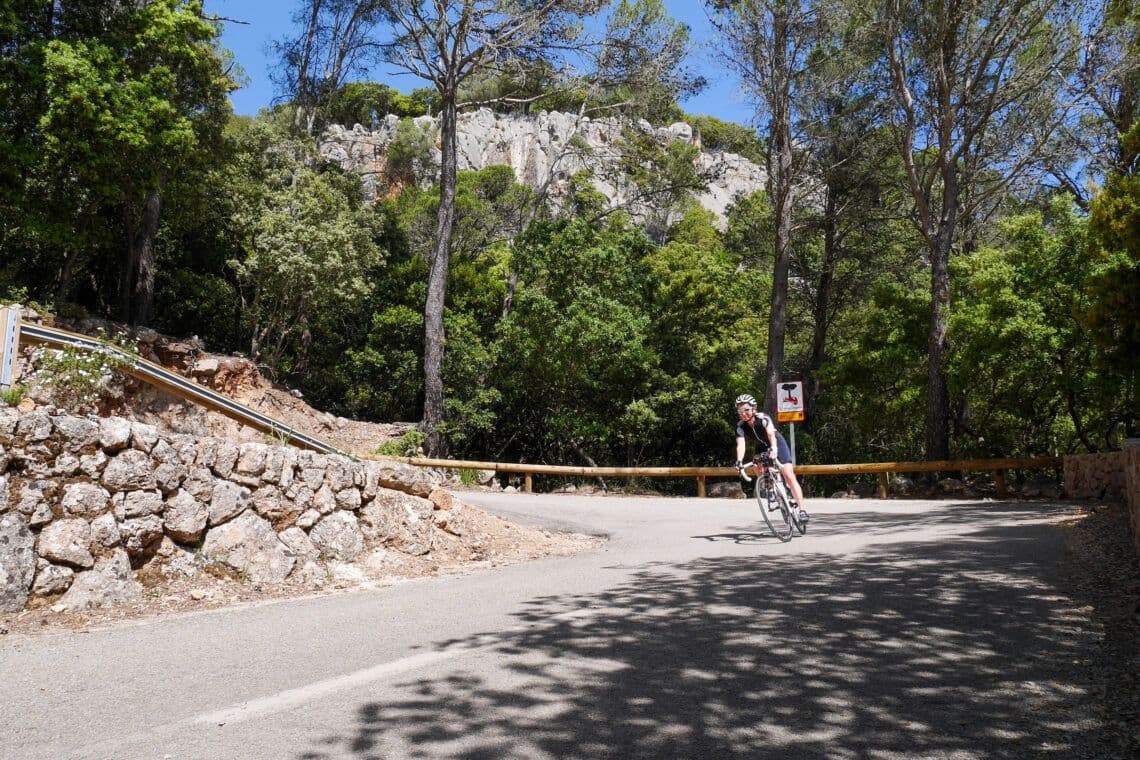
79,378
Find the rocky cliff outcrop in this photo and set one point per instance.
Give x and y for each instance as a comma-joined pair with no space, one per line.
547,147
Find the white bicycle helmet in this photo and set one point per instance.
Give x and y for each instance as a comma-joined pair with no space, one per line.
744,398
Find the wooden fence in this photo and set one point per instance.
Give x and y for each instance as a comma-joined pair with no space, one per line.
884,470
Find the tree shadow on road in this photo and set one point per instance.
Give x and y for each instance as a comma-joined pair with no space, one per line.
964,647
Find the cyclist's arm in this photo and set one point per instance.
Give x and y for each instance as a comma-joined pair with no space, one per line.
770,429
739,448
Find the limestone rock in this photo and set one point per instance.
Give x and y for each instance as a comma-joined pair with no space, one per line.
400,477
84,500
67,542
17,562
51,579
92,464
184,518
225,459
110,583
251,459
227,501
549,148
141,536
105,531
169,476
300,544
248,545
78,432
399,520
178,561
34,427
143,437
130,470
308,518
441,498
338,536
32,494
133,504
114,434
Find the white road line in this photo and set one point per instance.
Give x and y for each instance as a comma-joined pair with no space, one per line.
291,698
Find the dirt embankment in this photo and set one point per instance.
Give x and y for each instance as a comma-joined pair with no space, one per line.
235,377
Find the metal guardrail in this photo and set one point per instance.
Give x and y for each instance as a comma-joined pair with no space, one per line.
175,384
882,469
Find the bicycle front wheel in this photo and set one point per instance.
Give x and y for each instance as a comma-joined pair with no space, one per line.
776,510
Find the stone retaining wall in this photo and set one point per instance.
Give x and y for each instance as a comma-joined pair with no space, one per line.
86,501
1113,476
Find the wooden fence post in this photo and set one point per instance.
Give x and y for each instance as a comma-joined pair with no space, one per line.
700,486
999,483
884,478
529,485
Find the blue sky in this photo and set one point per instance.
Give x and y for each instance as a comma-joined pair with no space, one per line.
270,20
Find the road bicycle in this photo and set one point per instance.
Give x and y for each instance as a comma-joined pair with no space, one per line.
772,497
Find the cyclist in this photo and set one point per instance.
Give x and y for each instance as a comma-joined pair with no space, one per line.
756,424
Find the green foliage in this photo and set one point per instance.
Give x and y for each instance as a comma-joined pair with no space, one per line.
79,379
1112,314
407,445
14,395
1022,363
718,135
308,244
276,438
409,155
104,107
367,103
877,382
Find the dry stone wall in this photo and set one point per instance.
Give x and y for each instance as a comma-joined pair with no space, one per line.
1112,476
86,503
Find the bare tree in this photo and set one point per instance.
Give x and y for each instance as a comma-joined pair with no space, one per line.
1106,87
333,45
974,86
768,43
450,42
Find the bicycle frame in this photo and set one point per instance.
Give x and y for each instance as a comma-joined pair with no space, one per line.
772,495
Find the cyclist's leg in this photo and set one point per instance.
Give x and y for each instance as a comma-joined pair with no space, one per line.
788,471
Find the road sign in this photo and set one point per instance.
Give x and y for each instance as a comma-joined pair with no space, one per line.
790,402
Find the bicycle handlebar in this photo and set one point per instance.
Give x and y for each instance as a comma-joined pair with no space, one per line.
765,459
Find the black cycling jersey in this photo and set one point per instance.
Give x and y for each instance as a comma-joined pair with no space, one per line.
758,428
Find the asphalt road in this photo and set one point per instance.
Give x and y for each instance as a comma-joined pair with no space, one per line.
894,629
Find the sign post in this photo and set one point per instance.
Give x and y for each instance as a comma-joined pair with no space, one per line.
790,408
9,343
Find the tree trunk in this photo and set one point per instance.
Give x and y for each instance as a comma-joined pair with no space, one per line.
937,390
437,283
822,305
938,345
143,241
940,245
304,89
782,193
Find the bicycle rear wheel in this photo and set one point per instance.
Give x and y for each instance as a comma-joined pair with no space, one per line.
776,510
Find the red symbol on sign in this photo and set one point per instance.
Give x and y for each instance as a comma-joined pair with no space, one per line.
790,399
